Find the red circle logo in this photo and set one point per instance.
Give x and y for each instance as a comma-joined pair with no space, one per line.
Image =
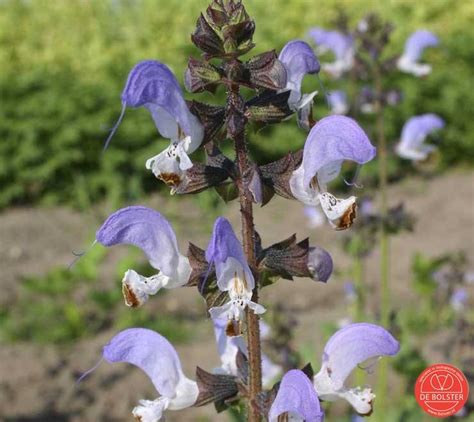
441,390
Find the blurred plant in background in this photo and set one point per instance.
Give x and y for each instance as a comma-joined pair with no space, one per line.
64,306
435,319
363,56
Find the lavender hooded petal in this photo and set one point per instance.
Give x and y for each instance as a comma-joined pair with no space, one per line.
320,264
147,229
417,42
415,45
347,348
233,273
340,44
152,353
415,131
299,60
432,122
335,41
298,397
335,139
418,127
256,188
353,345
152,84
224,244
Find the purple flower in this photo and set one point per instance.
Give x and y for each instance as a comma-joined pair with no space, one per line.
366,207
155,356
350,291
346,349
338,102
414,47
296,397
462,413
320,264
468,277
228,347
153,234
265,330
256,188
331,141
393,97
367,98
299,60
459,299
414,133
152,85
340,44
232,271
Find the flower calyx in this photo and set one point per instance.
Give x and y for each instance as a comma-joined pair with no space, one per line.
219,389
225,30
277,174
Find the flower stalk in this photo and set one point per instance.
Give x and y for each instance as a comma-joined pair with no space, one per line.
358,277
248,243
383,184
384,235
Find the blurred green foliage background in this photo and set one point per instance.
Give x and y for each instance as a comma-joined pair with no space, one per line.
64,65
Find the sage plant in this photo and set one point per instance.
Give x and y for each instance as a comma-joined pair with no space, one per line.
229,273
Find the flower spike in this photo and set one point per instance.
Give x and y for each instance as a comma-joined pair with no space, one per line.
414,47
233,273
414,133
155,356
152,85
299,60
296,397
341,45
331,141
346,349
153,234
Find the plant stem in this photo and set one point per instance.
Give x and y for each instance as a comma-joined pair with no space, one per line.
359,305
358,277
248,240
384,236
383,183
